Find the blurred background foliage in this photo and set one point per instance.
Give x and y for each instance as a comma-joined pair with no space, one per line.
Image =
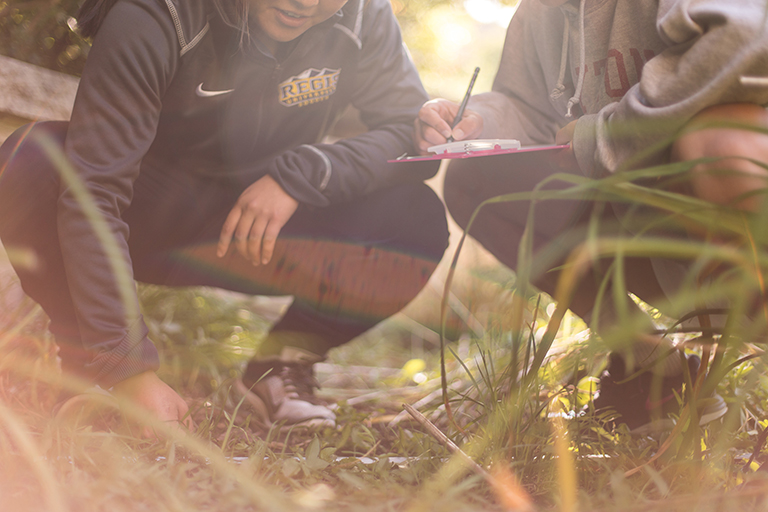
447,38
39,32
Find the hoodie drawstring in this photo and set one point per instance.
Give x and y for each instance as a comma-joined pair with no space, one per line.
560,87
576,98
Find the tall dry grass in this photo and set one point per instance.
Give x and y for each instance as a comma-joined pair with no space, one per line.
519,387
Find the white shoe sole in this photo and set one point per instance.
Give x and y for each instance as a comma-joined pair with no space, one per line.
260,408
711,412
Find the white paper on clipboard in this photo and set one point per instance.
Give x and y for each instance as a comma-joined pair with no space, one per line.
476,148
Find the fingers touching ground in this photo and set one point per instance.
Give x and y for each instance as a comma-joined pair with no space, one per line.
148,394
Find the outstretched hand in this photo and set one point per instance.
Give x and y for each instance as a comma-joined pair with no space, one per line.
151,394
433,124
257,218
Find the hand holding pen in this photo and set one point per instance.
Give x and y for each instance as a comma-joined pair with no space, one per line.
438,118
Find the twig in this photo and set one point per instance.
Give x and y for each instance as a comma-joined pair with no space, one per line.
426,400
443,439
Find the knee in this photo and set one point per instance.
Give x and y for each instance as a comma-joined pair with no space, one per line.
24,165
724,131
29,179
430,214
414,221
730,137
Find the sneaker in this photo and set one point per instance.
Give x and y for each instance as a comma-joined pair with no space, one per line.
281,390
642,413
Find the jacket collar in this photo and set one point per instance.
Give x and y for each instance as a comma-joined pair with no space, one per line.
306,41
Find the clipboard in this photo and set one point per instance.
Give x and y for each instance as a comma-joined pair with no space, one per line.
476,148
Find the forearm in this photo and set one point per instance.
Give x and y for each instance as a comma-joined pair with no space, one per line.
360,163
498,114
322,174
113,124
102,289
505,117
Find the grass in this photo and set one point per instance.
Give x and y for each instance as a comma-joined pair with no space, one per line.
373,462
517,369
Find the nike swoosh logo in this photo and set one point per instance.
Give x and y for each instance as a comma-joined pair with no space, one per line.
210,94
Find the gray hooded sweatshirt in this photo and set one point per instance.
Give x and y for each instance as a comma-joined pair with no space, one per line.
632,71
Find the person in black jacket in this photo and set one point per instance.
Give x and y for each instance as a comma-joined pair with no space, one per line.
195,156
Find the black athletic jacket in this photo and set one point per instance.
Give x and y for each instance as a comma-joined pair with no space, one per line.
167,84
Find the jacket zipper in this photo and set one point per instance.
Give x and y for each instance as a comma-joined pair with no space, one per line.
260,108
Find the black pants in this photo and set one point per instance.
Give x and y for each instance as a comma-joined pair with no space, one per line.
557,227
348,265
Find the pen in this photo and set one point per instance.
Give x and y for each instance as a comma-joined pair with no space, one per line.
463,103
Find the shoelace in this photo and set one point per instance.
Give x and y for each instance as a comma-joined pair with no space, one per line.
299,380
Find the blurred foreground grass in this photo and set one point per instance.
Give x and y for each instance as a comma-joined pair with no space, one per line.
513,417
520,371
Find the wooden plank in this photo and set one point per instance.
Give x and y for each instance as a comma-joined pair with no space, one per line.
32,92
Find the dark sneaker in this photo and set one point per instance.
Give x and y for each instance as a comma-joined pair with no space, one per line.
281,390
638,409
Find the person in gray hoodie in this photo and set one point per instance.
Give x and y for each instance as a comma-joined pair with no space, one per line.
617,80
